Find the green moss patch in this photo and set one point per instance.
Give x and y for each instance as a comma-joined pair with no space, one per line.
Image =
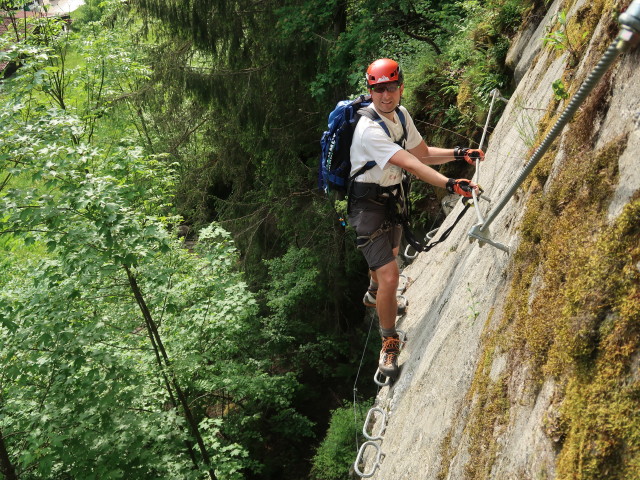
602,341
572,314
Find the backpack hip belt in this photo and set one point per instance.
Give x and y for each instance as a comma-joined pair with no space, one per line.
373,192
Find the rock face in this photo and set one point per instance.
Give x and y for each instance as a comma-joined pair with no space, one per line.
459,288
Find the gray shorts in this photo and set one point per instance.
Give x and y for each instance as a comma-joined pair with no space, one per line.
377,237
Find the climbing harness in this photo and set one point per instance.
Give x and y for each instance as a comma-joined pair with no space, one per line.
396,200
467,202
629,37
364,240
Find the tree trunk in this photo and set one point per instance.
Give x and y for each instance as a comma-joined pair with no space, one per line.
166,368
6,467
339,27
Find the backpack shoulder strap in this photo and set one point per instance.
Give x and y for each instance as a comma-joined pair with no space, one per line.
373,115
403,122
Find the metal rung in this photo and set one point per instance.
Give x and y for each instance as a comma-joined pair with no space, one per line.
402,299
377,378
368,420
402,282
407,255
376,464
429,236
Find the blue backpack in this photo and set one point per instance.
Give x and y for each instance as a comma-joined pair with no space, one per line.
335,159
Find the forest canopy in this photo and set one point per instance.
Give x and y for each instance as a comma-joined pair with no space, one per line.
177,298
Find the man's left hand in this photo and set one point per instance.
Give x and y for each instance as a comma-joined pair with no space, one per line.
472,154
469,155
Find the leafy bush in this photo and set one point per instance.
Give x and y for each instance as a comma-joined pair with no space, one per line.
337,452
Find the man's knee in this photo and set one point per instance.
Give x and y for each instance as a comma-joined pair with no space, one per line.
388,275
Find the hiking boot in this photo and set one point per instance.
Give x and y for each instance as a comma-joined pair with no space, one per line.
369,300
388,363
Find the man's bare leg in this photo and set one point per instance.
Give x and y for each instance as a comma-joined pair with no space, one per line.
388,277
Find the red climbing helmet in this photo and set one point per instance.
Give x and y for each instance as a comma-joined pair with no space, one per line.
384,70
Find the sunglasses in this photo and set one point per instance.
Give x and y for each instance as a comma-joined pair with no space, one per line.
389,87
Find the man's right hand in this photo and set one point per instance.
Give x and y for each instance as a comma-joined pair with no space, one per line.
461,186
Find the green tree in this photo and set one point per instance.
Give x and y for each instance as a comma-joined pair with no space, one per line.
97,271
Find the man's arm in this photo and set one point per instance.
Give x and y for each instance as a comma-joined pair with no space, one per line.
408,162
432,155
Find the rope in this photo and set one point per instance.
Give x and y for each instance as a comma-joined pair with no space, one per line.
355,383
495,94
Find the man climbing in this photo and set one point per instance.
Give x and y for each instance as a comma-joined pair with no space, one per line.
376,195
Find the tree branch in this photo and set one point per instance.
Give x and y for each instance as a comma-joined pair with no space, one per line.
422,38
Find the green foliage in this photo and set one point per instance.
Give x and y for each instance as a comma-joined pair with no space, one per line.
354,34
294,280
559,38
87,407
559,90
90,11
294,297
121,351
68,309
509,15
449,93
337,452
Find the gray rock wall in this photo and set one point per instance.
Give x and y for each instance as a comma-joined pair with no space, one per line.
459,288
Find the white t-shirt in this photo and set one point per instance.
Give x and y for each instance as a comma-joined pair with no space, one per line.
370,142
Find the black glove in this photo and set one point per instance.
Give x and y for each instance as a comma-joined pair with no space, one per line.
469,155
462,186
